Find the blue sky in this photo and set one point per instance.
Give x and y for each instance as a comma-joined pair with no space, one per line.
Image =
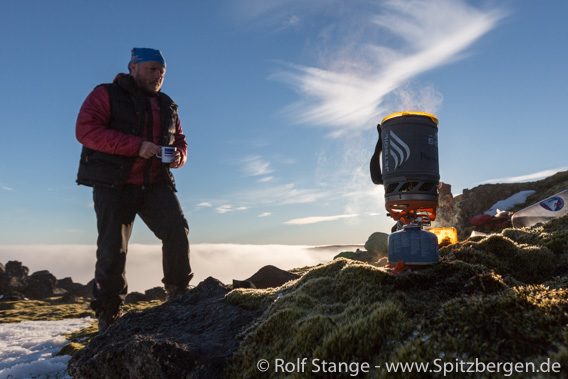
279,102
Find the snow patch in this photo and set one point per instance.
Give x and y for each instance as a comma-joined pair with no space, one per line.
510,202
27,348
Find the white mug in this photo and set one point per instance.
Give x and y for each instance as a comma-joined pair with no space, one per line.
167,154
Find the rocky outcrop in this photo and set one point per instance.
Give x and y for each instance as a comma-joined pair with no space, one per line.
267,277
192,336
134,297
156,293
15,283
377,244
14,277
41,284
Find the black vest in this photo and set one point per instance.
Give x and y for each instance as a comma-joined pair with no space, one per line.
129,110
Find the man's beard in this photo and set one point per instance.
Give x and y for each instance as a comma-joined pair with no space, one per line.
147,86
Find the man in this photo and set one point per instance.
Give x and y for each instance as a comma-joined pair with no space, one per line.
122,127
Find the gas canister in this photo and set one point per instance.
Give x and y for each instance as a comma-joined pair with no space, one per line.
413,245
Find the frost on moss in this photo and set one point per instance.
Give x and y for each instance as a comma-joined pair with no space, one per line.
496,298
523,262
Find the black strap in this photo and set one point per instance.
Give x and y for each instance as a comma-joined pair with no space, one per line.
375,166
149,137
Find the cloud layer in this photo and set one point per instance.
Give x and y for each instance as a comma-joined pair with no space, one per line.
144,268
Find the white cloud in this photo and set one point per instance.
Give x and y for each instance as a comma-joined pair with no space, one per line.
204,204
348,92
527,178
6,188
266,179
316,219
229,208
265,214
143,265
255,166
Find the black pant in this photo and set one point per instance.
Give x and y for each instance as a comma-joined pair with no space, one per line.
159,208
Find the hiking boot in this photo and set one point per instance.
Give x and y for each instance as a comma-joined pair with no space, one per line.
174,290
107,316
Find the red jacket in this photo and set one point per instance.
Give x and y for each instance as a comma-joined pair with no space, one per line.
93,132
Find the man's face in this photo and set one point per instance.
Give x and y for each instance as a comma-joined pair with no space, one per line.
148,75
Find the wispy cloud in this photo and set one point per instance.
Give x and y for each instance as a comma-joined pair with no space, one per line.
265,214
348,93
526,178
204,204
360,64
255,166
281,195
316,219
229,208
6,188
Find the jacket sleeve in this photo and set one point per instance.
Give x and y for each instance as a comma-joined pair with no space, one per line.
180,143
92,128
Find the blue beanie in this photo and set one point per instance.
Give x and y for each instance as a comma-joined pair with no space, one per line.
143,54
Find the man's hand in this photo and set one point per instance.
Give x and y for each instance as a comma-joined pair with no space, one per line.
148,149
177,160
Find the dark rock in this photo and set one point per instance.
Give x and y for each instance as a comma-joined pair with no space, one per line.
192,336
14,277
46,277
271,276
242,284
41,284
156,293
16,269
38,289
85,291
377,244
68,284
361,255
135,297
12,296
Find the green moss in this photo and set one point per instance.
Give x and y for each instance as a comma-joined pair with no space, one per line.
354,311
521,235
251,298
513,324
496,298
33,310
526,263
